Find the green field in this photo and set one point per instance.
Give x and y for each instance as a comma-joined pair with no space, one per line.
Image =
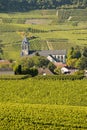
44,25
35,104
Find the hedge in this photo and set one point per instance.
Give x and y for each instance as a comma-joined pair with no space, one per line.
60,77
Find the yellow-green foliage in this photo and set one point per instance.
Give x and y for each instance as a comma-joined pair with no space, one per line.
38,104
35,91
42,104
42,117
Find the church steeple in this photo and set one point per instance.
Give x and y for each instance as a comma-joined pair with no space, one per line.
25,47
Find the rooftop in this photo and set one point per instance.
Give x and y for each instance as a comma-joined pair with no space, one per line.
49,52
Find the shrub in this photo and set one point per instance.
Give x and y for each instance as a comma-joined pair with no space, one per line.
79,72
51,67
33,71
17,69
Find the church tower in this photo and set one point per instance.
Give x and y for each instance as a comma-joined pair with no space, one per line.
25,47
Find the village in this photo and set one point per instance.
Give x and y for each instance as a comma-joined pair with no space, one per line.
43,64
50,62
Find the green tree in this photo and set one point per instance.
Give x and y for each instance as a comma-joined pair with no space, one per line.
58,70
42,61
82,64
85,52
26,5
28,64
33,71
51,67
1,52
73,56
72,62
74,53
17,69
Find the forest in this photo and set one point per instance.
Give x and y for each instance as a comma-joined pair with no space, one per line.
26,5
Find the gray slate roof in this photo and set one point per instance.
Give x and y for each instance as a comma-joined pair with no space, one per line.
50,52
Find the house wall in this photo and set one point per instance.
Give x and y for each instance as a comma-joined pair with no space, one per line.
60,58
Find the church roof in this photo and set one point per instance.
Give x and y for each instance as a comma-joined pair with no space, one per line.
50,52
53,52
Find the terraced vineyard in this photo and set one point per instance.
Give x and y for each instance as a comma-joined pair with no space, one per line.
72,14
35,104
44,27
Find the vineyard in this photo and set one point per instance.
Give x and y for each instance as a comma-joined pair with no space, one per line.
43,29
43,103
36,91
73,15
42,117
35,104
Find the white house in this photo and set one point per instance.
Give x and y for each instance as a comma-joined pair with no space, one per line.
64,70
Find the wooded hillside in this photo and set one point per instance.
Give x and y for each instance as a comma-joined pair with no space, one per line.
25,5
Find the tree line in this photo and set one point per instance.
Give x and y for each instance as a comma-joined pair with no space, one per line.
77,59
25,5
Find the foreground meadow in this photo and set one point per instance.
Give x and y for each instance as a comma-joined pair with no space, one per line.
43,104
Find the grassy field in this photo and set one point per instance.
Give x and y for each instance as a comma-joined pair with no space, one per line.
38,105
44,25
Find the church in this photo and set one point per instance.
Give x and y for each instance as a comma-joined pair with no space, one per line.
55,56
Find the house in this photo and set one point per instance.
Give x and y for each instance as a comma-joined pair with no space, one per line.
64,70
55,56
44,71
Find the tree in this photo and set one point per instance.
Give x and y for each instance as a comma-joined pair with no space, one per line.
74,53
17,69
37,54
26,5
73,56
1,51
85,52
33,71
42,61
29,65
58,70
72,62
51,67
82,63
70,53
